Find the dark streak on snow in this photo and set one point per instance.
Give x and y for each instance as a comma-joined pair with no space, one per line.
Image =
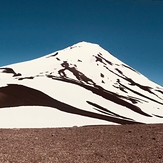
18,95
100,56
10,71
98,59
160,91
133,83
158,116
140,94
130,68
122,89
102,75
53,55
30,77
58,59
119,71
106,111
79,75
118,99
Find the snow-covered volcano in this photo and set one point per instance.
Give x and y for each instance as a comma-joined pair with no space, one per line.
80,85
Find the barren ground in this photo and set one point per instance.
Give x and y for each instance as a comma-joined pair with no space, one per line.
89,144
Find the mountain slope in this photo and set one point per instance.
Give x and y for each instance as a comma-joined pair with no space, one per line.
86,81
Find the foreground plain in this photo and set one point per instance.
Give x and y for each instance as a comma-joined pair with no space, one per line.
88,144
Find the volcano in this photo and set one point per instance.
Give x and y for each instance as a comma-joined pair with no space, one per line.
80,85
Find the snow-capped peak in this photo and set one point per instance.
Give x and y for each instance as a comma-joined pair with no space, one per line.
84,80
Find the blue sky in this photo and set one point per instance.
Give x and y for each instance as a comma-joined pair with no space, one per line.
132,30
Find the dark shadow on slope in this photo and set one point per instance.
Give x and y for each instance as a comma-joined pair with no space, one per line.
10,71
133,83
53,55
119,71
140,94
79,75
106,111
19,95
160,91
30,77
130,68
100,59
118,99
158,116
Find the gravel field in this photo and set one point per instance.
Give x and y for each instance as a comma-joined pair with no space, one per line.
88,144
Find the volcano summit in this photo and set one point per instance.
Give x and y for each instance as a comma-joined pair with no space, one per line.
80,85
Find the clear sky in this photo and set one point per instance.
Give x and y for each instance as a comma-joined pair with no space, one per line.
131,30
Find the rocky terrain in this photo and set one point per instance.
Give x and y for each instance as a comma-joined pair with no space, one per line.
102,144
